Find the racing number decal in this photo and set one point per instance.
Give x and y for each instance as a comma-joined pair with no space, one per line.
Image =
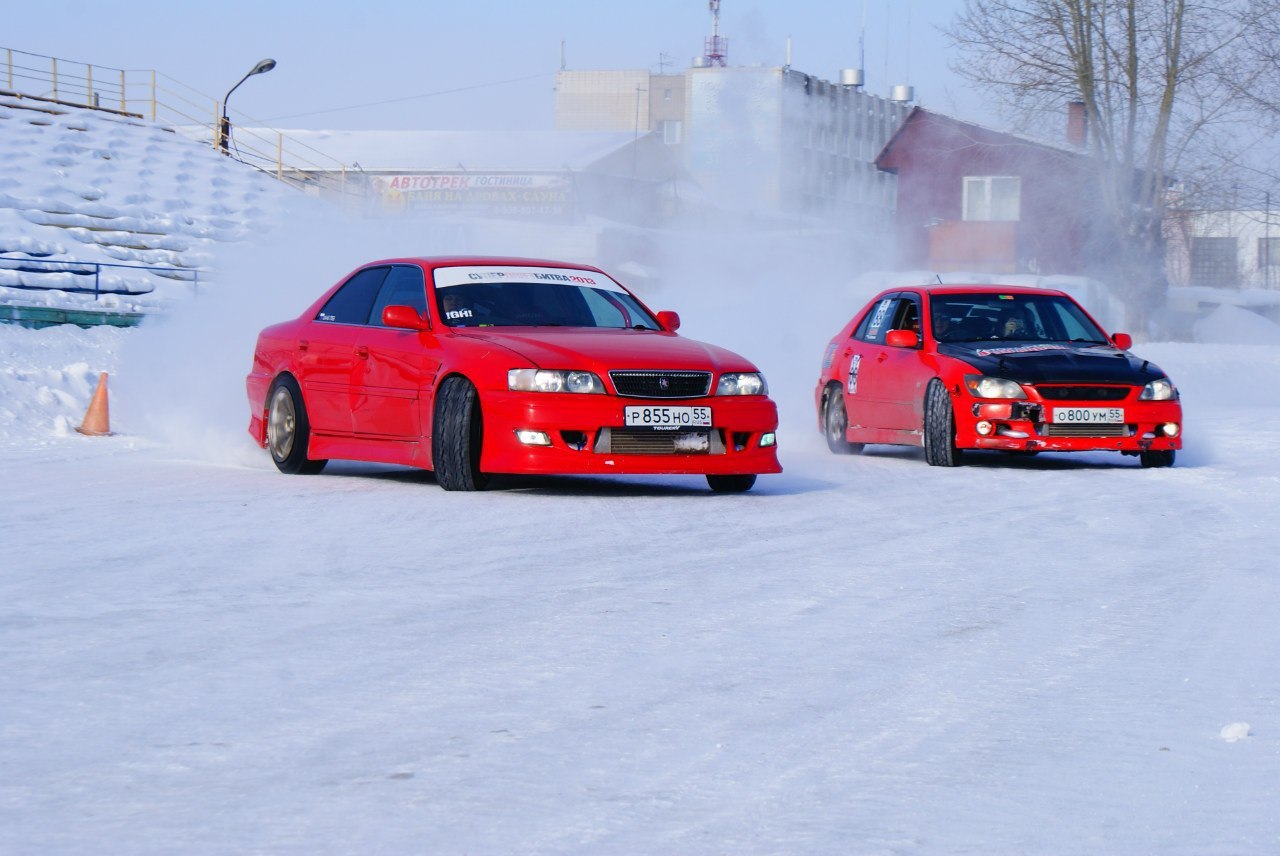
853,373
881,311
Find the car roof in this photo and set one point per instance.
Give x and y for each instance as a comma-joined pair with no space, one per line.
979,288
456,261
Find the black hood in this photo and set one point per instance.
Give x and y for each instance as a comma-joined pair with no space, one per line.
1053,362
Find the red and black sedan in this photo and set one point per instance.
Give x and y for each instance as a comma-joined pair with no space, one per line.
1024,370
477,366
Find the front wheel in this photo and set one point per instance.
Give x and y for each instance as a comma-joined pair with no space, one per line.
939,427
731,484
1157,459
835,423
289,429
456,435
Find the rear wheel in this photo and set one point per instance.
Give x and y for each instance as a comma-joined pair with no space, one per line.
939,427
456,435
731,484
835,423
1157,459
289,429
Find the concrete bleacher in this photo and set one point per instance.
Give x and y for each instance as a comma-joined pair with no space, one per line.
111,214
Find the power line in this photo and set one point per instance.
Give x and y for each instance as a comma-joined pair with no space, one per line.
411,97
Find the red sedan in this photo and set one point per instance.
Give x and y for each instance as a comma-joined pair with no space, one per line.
477,366
1022,370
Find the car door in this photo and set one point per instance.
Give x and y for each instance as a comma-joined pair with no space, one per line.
393,365
903,373
863,384
327,362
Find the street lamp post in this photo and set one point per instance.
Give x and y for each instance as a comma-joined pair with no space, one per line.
224,127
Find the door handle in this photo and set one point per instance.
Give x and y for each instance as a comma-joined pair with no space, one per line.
881,357
362,352
848,351
303,344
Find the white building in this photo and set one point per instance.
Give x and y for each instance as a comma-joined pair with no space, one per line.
1223,249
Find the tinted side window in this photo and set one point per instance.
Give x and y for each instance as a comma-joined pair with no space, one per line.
351,303
404,286
907,316
877,322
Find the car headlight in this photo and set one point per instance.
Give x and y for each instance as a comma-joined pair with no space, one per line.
553,380
981,386
742,383
1161,389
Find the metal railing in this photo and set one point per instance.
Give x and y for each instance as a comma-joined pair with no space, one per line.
191,275
78,84
148,94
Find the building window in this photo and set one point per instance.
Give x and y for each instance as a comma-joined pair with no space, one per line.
670,129
992,197
1213,262
1268,253
666,95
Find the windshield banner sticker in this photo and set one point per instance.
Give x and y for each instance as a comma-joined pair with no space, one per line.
466,275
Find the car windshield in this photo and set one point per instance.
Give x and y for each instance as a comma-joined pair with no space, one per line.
1012,318
536,297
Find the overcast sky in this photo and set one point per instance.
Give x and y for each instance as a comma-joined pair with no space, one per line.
478,64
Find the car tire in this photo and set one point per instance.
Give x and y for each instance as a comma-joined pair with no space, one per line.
1158,459
456,436
939,427
731,484
835,423
289,429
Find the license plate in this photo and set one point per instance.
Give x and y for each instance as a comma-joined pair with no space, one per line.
667,417
1088,415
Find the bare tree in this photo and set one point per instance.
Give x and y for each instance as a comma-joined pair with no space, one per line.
1172,89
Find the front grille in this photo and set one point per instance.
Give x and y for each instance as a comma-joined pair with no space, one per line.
645,441
1083,393
1112,430
661,384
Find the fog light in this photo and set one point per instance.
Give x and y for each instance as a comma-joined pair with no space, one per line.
533,438
1170,429
767,440
984,427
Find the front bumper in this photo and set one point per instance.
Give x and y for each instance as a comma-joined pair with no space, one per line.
1024,426
587,436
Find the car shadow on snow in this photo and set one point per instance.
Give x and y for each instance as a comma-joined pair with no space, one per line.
586,485
993,460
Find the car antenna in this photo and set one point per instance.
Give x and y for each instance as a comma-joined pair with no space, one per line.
938,276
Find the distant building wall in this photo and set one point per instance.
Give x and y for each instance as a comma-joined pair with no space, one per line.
771,140
1223,249
970,198
603,101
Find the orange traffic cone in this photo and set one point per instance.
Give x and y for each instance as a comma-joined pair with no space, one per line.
97,422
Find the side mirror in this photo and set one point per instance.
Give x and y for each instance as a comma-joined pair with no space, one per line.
404,318
1123,341
902,339
669,320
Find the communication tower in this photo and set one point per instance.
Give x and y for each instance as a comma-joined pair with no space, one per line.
717,47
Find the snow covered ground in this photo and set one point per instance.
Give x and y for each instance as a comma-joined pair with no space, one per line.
1063,654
